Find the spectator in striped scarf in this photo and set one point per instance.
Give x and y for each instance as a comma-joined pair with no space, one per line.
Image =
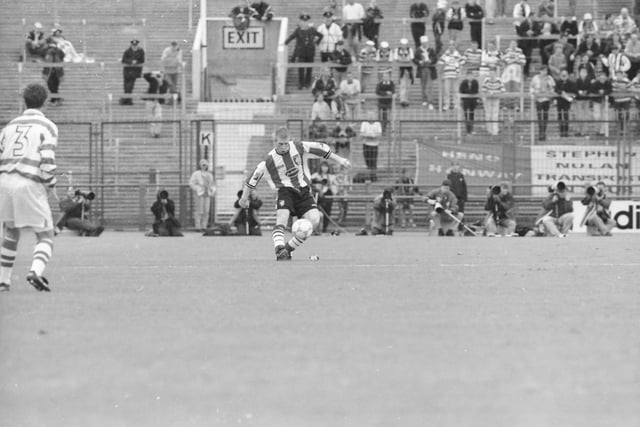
490,59
491,87
451,61
513,60
621,100
472,57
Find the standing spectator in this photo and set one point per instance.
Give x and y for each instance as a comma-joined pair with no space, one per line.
501,8
352,16
513,59
502,211
133,59
569,28
616,61
371,131
624,24
600,90
568,49
262,11
385,91
320,110
426,61
632,51
438,21
350,92
589,46
472,57
418,12
404,55
171,66
546,10
306,38
490,10
541,87
165,223
469,87
558,63
587,27
325,87
455,19
546,39
370,24
35,43
620,99
521,10
325,187
451,62
247,220
331,35
490,59
566,89
342,57
582,101
54,74
444,209
559,210
406,188
458,187
202,183
384,57
27,178
475,14
491,88
153,106
367,57
526,30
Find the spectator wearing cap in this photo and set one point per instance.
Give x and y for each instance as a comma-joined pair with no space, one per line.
367,57
203,185
133,59
587,26
331,35
370,24
384,58
306,37
343,58
426,60
455,19
444,213
171,61
404,55
352,16
35,43
475,14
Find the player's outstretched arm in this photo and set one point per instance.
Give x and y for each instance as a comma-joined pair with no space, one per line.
340,160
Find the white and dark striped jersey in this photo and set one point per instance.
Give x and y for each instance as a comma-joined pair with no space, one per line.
27,147
289,169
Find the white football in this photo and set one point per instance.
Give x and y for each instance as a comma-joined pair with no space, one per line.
302,228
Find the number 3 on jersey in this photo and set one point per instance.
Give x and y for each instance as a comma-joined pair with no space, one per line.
21,140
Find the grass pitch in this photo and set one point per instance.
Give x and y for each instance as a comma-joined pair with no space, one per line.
400,331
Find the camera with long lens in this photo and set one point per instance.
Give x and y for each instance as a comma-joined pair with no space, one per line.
495,190
438,207
87,196
591,190
164,194
560,186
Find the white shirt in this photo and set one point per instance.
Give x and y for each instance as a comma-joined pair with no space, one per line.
353,11
330,36
350,90
370,131
517,10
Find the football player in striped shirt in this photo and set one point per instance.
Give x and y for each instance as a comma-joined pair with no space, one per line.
286,166
27,166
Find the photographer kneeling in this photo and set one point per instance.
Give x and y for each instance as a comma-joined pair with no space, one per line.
444,214
502,212
75,208
558,219
597,217
165,223
384,206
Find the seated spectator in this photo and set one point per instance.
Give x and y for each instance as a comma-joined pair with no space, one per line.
342,135
545,10
321,110
568,49
331,35
558,219
600,90
75,207
491,58
583,62
546,33
469,88
384,207
317,131
616,61
624,24
590,45
325,187
501,206
342,57
455,17
324,87
632,51
70,54
587,27
262,11
153,106
607,28
557,62
444,209
370,26
35,43
350,92
569,28
247,221
165,223
451,62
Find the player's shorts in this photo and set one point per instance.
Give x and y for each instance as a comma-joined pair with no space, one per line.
298,202
24,203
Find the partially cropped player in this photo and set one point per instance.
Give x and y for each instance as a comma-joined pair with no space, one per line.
27,166
286,166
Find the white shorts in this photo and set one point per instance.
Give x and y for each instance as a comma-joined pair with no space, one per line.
24,203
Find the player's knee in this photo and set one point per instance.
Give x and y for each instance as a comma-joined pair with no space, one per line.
44,235
314,216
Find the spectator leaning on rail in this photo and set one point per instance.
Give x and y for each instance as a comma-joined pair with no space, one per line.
597,217
426,60
444,213
133,59
469,89
370,26
599,90
558,217
502,211
171,61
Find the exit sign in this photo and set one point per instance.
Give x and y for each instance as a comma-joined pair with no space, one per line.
251,38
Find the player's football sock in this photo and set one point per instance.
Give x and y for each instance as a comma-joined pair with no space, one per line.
7,258
278,235
293,243
41,255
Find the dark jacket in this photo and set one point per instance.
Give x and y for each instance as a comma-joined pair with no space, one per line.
558,206
582,89
306,41
600,88
156,86
426,60
342,57
249,216
469,87
53,55
501,207
134,60
567,86
381,90
474,12
458,185
165,223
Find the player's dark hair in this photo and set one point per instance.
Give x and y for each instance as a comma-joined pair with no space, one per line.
35,95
